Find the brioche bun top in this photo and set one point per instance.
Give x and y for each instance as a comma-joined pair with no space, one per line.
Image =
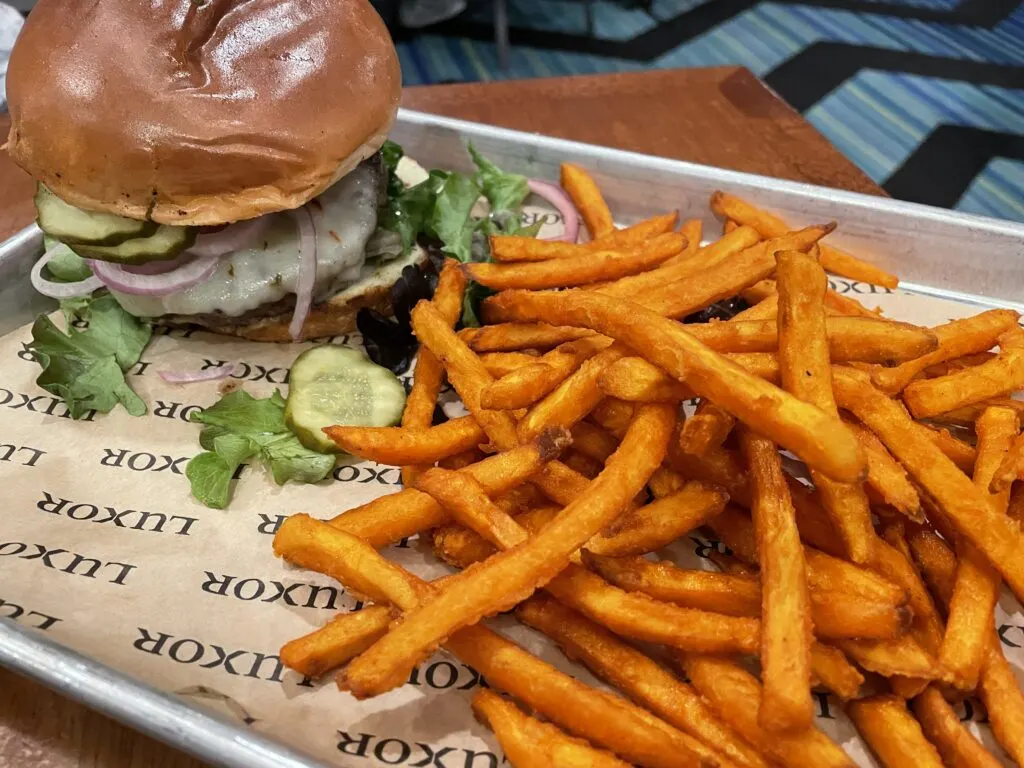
199,112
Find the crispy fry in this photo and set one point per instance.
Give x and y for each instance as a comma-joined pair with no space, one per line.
956,339
614,416
966,507
885,475
821,440
510,337
593,441
832,259
941,725
693,231
1015,510
529,743
525,386
804,366
571,400
579,462
759,291
636,675
999,376
402,445
577,270
966,416
338,641
735,696
962,454
500,364
707,428
1011,466
508,248
429,374
832,670
509,577
679,267
844,305
655,525
768,309
971,610
388,519
635,380
892,733
902,656
586,196
785,607
604,720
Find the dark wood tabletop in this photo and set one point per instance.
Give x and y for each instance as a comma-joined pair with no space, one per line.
723,116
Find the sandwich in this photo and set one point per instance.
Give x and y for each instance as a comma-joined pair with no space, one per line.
214,162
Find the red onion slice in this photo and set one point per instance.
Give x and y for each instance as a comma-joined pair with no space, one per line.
188,377
160,267
57,290
232,238
117,278
307,272
555,195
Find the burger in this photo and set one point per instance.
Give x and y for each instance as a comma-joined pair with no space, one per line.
215,162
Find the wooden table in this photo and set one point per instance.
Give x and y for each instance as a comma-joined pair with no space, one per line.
723,116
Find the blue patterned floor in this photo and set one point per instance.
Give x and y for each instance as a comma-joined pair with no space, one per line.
877,117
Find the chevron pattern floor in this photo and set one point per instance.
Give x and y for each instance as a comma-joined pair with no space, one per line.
927,96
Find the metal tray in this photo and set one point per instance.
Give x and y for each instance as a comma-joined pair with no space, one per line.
937,252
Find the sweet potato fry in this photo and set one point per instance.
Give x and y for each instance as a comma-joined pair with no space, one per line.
805,370
510,337
586,196
999,376
693,231
942,727
707,428
892,733
402,445
607,721
530,743
571,400
759,291
967,508
679,267
832,670
337,642
785,607
1010,468
577,270
525,386
971,610
391,518
510,577
956,339
735,696
843,305
818,438
902,656
635,380
500,364
593,441
509,248
885,475
655,525
429,374
962,454
640,678
967,415
614,416
766,309
835,261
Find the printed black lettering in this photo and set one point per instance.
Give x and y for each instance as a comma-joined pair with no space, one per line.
256,670
89,511
491,760
704,549
404,543
1003,629
256,592
380,475
217,585
122,574
968,711
207,363
6,394
448,675
177,333
46,554
474,678
159,520
141,462
171,463
414,676
242,371
6,451
186,524
36,455
18,548
383,747
49,504
430,757
47,621
270,524
238,471
166,410
177,649
823,705
156,644
139,369
111,459
346,469
354,745
10,610
223,659
93,566
29,403
315,592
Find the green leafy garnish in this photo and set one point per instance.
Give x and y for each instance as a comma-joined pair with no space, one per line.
390,154
66,266
504,191
85,368
451,222
239,427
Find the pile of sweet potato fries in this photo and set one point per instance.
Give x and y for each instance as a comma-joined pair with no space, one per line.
869,568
